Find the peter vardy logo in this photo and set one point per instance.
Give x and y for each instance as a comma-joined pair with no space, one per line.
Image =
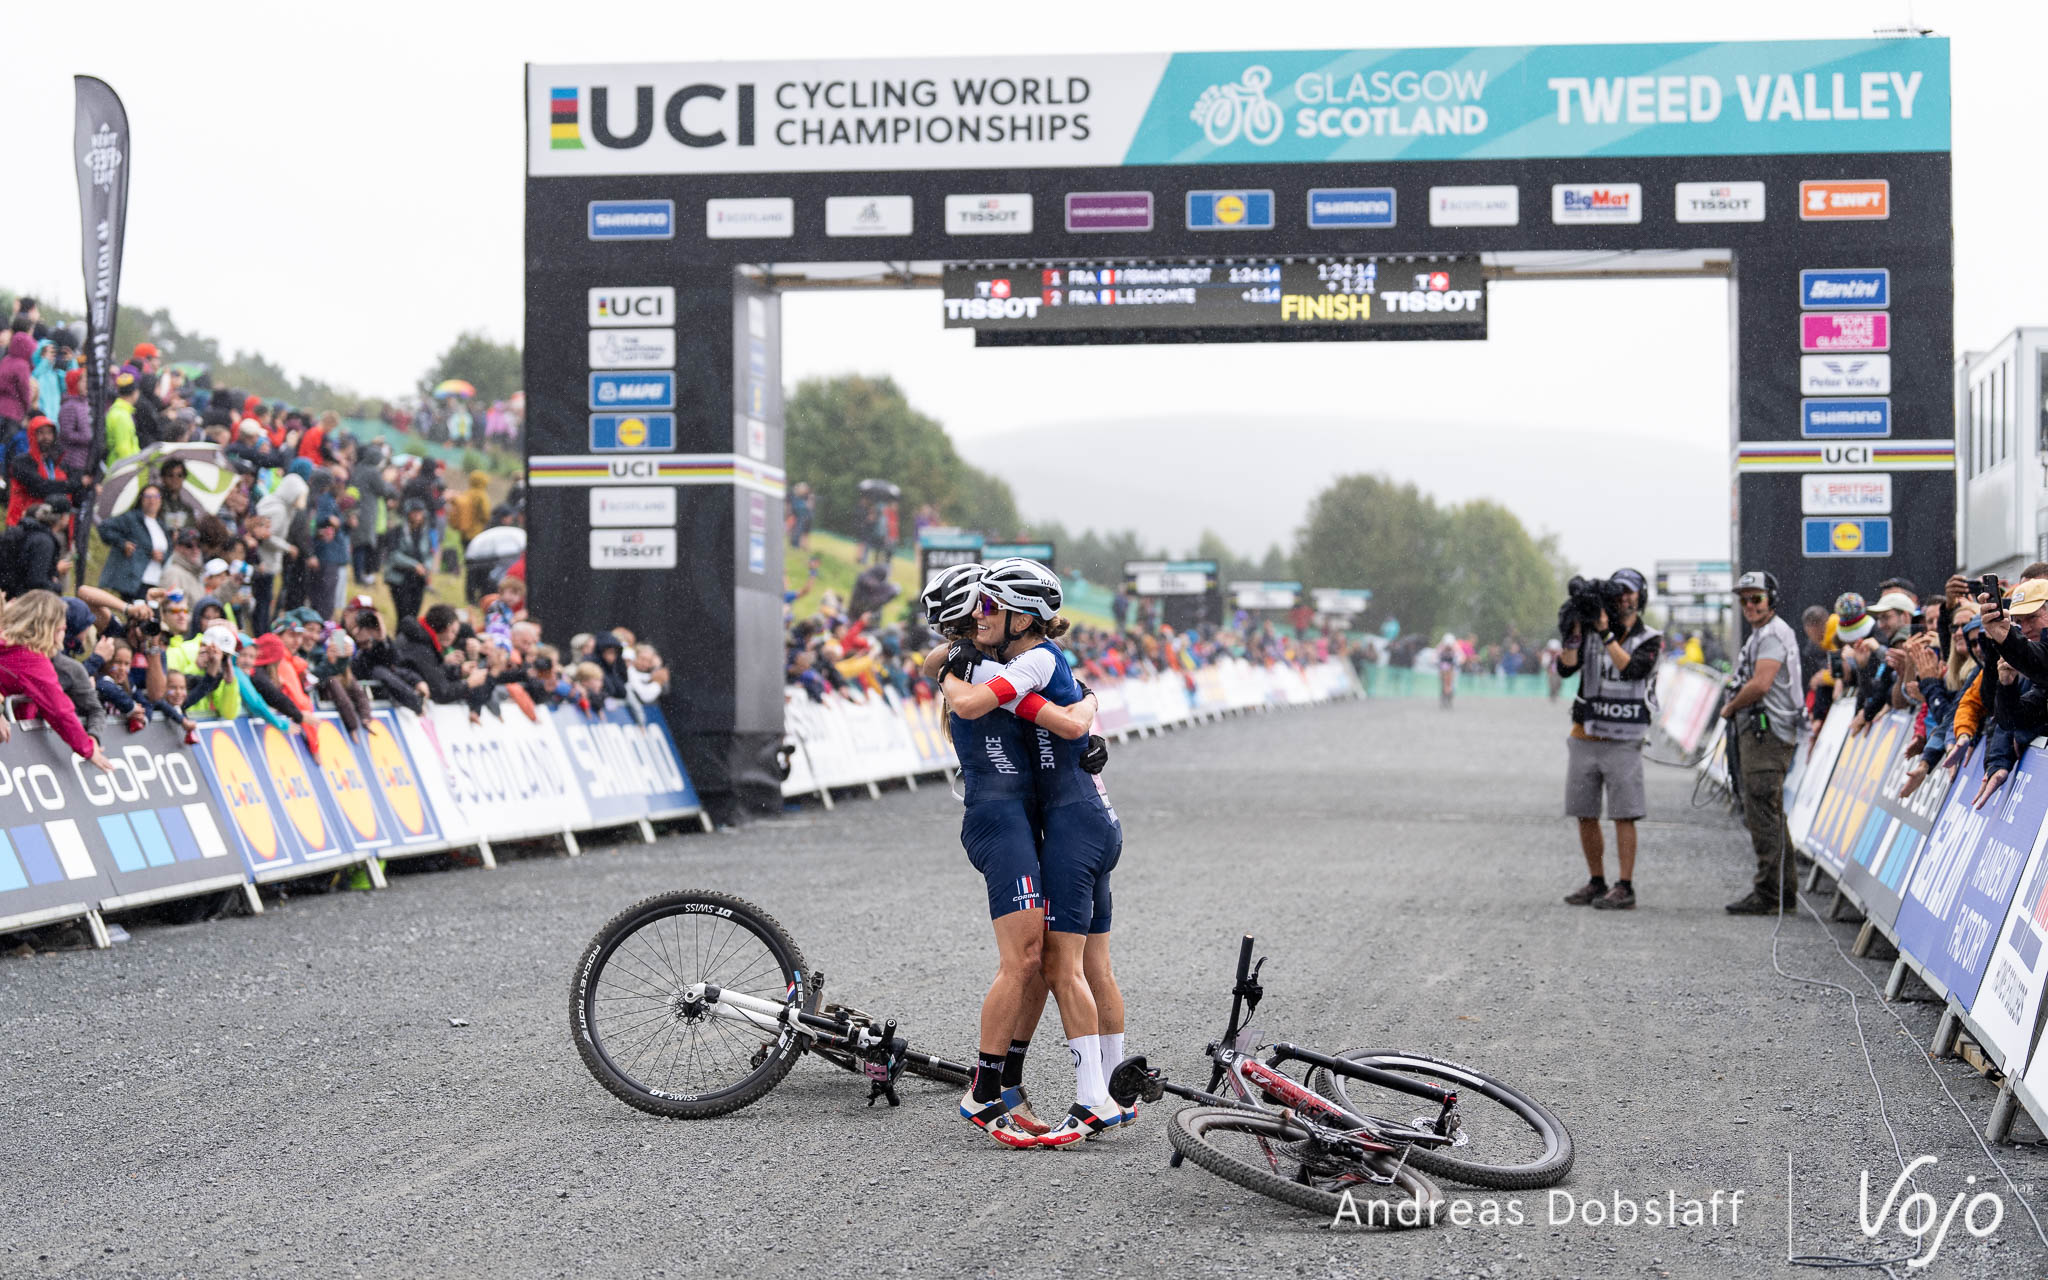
1227,112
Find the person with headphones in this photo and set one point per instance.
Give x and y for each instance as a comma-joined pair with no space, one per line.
1765,710
1616,662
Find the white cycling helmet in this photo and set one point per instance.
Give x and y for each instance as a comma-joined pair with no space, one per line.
1023,586
954,592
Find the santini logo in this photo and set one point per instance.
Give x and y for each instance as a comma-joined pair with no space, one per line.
693,126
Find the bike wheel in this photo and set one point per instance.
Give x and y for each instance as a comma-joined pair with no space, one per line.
1508,1140
1262,1152
633,1028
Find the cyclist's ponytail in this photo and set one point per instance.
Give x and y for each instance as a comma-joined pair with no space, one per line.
1054,628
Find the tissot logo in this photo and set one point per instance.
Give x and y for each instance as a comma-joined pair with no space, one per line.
696,115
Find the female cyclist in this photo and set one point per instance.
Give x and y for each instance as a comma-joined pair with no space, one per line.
1081,838
1448,656
1000,832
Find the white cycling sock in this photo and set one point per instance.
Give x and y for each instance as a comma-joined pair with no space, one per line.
1112,1052
1089,1089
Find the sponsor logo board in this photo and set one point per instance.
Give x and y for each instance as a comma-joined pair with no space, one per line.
1578,203
1829,537
1845,375
1109,211
1832,199
1230,210
1718,202
1886,455
1845,331
631,220
1857,493
995,215
1845,288
644,304
654,390
1867,417
1351,207
631,432
632,348
632,548
867,215
632,506
750,218
1475,206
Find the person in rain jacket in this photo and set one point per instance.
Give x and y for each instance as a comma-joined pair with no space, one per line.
74,425
49,375
34,475
17,383
121,438
469,512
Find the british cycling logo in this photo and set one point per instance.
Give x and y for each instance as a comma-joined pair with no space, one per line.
1228,111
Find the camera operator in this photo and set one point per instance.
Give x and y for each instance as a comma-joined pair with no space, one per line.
1764,713
1607,644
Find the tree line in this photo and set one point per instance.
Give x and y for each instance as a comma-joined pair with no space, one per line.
1470,567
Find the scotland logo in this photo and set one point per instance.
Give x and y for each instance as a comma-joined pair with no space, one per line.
1226,110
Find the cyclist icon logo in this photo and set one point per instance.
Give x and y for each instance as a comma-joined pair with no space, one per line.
1226,110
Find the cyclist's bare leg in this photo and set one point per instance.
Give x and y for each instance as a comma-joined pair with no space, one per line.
1069,984
1109,1000
1031,1011
1021,955
1624,846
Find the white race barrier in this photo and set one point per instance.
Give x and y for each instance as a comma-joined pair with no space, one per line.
861,738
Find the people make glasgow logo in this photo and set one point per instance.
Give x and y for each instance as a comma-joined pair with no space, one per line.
103,157
1227,110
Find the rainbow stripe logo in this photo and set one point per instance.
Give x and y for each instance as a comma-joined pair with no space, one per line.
564,130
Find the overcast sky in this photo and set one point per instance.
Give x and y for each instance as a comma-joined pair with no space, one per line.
340,187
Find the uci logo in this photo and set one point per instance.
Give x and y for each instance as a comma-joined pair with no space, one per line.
690,115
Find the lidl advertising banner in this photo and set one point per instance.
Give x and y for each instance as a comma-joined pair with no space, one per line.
2008,1000
1964,880
1503,102
1864,832
279,819
1820,767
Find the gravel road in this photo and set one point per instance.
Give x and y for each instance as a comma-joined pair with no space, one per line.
286,1096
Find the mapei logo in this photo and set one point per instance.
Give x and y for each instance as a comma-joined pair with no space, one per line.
691,115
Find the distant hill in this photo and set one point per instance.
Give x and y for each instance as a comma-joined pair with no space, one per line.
1612,501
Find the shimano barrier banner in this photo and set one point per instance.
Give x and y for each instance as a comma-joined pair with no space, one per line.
74,837
1294,106
627,768
1968,870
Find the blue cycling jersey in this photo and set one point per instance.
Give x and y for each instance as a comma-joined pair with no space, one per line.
994,752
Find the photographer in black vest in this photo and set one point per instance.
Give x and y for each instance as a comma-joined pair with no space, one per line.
1607,645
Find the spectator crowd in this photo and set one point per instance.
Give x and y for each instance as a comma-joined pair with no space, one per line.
239,580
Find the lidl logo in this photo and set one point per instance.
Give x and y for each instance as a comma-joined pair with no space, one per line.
1871,536
244,795
395,780
1230,210
345,782
622,432
295,789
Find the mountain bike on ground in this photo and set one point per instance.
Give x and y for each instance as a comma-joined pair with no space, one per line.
695,1004
1334,1141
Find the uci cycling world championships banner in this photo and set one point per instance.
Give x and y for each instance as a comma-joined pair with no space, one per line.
1508,102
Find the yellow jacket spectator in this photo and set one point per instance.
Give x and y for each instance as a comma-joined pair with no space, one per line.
121,439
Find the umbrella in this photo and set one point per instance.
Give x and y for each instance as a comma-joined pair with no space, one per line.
502,542
880,489
208,477
454,387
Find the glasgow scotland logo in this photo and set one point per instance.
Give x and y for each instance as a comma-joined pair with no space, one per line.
1227,110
